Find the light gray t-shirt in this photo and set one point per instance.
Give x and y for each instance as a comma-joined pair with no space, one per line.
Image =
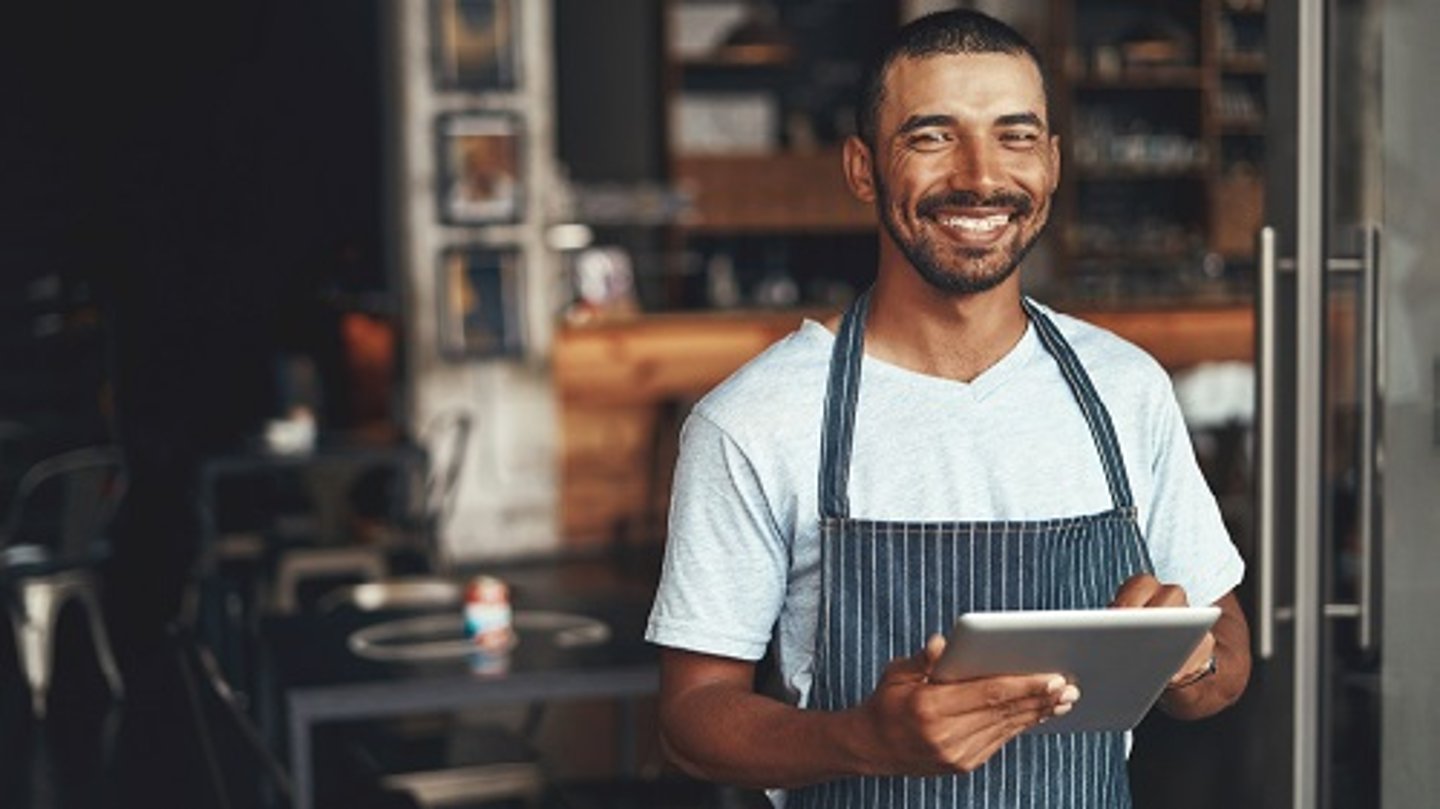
742,558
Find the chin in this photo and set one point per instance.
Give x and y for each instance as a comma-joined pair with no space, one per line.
952,281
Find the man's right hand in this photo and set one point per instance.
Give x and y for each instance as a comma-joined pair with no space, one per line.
925,728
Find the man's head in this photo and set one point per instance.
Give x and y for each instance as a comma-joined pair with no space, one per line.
956,151
946,32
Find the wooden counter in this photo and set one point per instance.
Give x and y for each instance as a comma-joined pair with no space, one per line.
624,388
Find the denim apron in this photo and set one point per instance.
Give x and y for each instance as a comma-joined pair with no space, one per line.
887,586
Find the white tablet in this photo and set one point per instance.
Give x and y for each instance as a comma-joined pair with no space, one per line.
1119,658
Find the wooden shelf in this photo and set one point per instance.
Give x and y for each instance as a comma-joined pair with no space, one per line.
1223,62
770,193
740,57
1243,63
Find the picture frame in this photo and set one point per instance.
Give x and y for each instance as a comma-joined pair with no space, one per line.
475,44
478,289
479,156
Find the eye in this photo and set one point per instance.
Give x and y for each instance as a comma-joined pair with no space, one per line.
1020,138
928,140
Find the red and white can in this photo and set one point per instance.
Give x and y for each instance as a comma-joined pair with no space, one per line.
488,615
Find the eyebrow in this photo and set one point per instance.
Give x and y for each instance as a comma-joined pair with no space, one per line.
915,122
1020,119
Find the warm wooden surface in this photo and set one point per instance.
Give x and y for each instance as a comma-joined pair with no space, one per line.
770,193
649,359
1181,338
624,388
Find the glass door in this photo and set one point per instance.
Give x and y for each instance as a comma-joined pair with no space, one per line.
1349,429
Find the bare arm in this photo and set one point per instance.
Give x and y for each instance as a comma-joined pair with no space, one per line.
1193,693
714,726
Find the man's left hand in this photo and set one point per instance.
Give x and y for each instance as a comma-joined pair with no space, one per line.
1201,687
1144,590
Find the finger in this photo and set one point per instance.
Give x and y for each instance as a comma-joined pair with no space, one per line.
929,654
974,745
1168,595
1136,591
906,669
1000,694
934,647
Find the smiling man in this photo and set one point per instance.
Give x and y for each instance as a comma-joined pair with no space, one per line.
949,445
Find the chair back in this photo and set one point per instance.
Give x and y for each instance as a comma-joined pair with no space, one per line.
63,506
447,439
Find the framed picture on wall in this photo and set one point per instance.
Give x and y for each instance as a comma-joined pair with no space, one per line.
475,44
479,161
479,294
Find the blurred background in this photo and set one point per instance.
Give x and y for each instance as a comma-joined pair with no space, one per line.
373,288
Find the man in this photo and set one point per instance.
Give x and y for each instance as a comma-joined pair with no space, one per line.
949,445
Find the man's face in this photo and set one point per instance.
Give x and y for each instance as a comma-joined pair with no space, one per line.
964,166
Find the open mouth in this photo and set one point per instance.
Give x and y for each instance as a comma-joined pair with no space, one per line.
973,228
975,224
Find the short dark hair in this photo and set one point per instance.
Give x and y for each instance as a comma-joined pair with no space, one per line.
956,31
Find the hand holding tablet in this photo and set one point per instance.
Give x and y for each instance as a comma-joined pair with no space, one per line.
1121,659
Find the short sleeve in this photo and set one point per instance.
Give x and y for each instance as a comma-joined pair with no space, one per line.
723,578
1186,535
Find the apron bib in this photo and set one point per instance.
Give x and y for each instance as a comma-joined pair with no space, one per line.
889,585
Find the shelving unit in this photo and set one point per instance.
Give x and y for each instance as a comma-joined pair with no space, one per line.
754,126
1161,110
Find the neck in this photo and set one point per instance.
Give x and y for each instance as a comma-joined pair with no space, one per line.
958,337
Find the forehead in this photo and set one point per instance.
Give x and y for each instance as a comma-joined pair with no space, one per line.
969,86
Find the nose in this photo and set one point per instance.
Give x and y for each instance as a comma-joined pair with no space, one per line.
976,166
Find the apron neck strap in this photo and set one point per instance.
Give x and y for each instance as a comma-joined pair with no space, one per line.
843,392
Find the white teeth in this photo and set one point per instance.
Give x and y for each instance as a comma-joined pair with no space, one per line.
973,224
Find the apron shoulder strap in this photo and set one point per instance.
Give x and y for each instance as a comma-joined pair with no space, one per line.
837,432
1102,429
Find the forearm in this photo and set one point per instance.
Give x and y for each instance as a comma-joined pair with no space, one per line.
724,734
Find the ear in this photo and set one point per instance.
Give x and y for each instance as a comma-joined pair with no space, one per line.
859,169
1054,162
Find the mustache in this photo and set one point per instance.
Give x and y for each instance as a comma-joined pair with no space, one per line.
931,205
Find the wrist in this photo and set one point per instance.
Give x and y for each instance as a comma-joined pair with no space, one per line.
858,735
1209,670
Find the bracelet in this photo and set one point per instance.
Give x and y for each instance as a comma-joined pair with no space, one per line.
1210,668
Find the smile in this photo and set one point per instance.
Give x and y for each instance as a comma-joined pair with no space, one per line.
975,224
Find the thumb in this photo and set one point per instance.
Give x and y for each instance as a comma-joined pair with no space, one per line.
934,648
918,665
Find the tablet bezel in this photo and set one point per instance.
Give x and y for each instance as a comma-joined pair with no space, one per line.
1120,658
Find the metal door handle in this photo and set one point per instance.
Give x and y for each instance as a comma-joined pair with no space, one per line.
1371,328
1266,447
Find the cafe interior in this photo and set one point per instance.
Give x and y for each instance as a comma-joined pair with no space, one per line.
332,328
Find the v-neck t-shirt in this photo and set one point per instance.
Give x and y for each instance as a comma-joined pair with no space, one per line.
742,553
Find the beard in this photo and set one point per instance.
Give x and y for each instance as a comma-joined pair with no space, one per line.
955,276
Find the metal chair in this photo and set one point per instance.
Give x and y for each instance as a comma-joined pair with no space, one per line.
53,537
447,440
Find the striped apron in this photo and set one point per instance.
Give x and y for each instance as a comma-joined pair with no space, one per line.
887,586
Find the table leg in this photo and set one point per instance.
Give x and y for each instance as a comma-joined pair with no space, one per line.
625,743
300,773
